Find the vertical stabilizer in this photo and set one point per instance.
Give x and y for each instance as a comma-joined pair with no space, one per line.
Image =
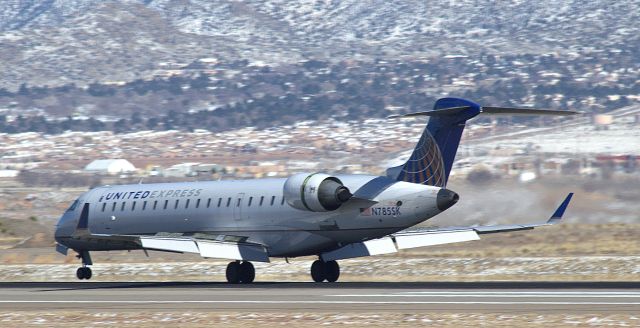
432,159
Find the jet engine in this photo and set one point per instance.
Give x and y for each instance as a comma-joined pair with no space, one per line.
316,192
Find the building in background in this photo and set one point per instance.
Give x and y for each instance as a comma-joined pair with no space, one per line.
110,166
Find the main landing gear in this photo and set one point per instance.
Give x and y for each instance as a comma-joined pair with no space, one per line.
321,271
240,272
84,272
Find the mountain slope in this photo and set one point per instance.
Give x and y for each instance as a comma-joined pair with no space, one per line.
85,40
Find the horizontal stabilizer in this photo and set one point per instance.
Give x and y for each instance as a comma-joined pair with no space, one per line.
439,112
451,111
525,111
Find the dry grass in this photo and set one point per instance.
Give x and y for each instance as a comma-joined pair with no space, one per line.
70,319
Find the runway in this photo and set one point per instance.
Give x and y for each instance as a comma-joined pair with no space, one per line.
547,297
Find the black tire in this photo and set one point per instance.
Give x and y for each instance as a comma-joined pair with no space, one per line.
87,273
332,271
247,272
317,271
233,273
80,273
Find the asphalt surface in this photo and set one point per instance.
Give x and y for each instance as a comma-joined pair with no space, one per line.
547,297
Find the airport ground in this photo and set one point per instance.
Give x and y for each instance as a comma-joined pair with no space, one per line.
435,304
576,274
572,275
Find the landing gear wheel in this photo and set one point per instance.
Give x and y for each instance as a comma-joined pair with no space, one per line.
87,273
233,272
80,273
83,273
318,271
331,271
247,272
321,271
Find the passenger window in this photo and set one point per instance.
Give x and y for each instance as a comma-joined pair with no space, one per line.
113,208
104,205
155,204
219,201
250,200
282,201
273,200
166,203
228,201
238,203
208,202
187,204
122,207
175,207
198,203
133,206
144,205
261,200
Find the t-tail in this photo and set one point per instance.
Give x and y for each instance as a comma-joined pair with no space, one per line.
432,159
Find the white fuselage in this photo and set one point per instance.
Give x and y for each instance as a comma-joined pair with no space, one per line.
248,210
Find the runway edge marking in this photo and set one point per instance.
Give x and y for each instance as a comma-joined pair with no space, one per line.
316,302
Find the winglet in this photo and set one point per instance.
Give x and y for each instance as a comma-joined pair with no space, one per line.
557,215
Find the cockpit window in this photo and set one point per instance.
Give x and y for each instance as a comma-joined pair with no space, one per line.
73,206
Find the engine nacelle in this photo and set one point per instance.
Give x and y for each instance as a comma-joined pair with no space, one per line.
316,192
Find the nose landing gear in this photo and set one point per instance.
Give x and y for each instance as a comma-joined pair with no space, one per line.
84,272
321,271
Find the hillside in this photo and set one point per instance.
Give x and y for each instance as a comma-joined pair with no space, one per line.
82,41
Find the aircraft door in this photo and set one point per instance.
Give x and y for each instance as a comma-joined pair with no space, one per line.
98,218
238,206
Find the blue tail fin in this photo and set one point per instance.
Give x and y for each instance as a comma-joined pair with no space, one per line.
431,160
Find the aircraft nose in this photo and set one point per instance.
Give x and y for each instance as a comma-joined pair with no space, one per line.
58,231
64,227
446,198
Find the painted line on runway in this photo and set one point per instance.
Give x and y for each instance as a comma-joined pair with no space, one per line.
490,294
487,295
312,302
523,292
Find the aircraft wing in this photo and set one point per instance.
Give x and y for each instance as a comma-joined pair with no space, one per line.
208,246
418,237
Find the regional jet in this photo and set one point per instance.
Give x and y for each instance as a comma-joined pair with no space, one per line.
333,217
